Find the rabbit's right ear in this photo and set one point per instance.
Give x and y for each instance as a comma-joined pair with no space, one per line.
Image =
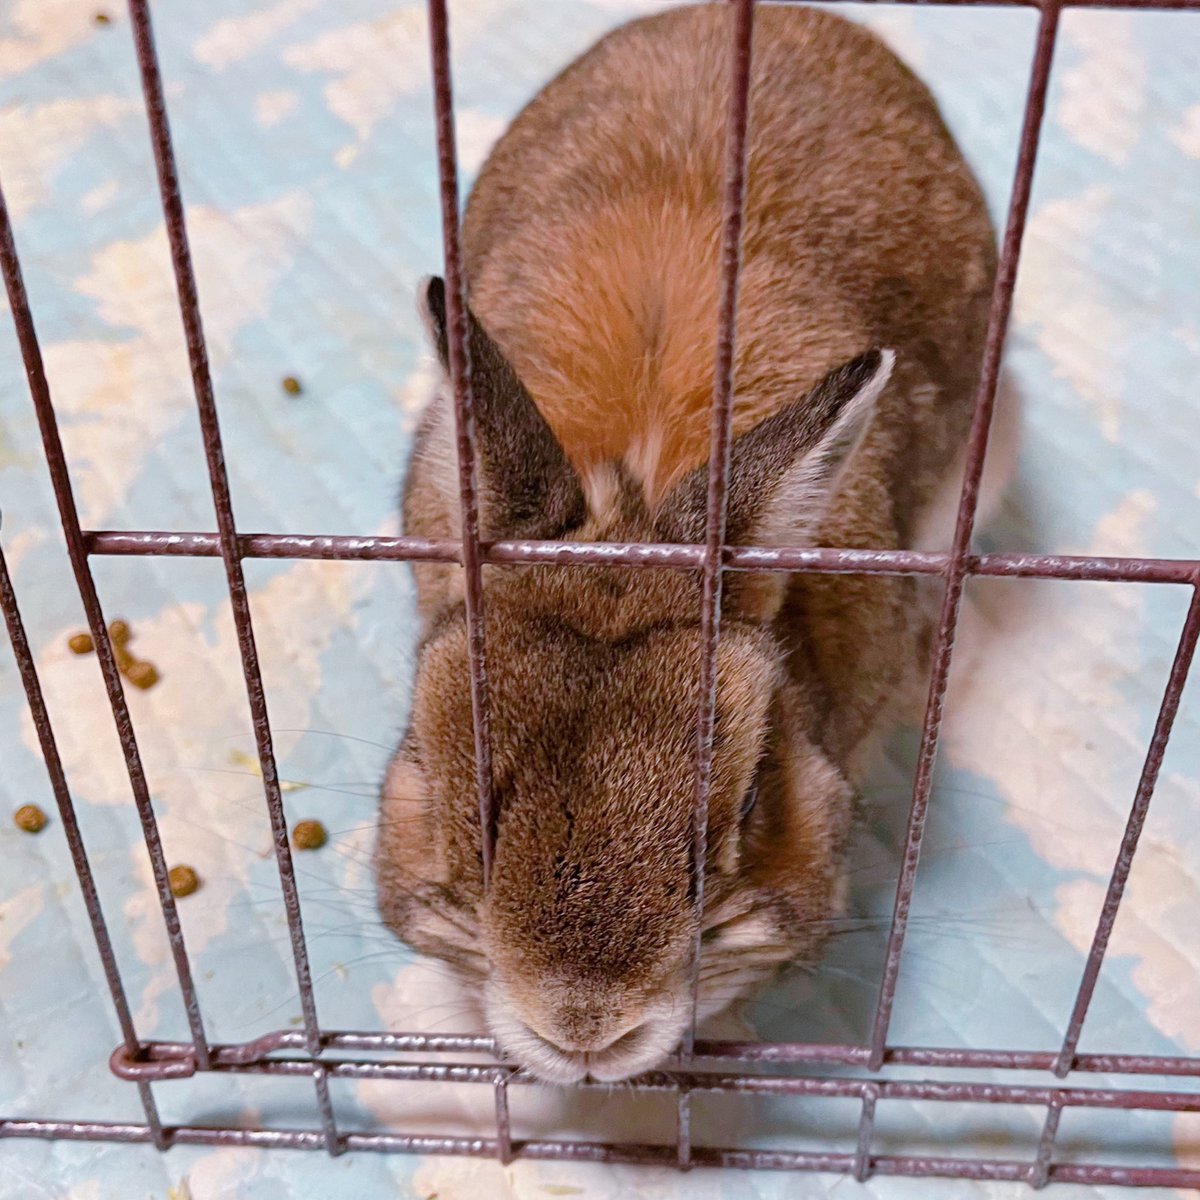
527,487
784,472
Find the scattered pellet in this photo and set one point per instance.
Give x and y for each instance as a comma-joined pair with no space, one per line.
81,643
30,818
119,632
102,18
183,880
291,385
308,835
141,674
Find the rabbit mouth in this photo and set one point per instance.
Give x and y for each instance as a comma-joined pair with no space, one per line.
637,1050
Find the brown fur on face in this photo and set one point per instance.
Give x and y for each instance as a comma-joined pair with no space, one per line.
591,244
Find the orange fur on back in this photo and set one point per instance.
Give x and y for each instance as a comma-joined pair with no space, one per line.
592,237
628,373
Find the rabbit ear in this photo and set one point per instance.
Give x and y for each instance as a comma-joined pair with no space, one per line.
527,487
784,471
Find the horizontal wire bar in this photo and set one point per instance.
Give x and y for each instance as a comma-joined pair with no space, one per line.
632,1154
352,548
942,1058
1126,5
828,1087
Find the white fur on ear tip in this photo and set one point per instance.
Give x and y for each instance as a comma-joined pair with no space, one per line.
875,385
860,408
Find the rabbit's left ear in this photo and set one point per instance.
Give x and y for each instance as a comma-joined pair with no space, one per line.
784,472
527,487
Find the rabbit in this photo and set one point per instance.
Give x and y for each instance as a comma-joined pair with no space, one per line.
591,245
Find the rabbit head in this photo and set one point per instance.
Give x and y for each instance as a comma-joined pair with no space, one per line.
582,941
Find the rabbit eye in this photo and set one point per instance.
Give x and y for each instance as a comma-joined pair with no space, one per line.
750,801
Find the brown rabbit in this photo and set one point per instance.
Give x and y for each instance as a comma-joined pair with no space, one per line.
591,244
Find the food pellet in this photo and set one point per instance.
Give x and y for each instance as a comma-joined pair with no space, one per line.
291,385
183,880
30,818
141,674
81,643
119,632
102,18
308,835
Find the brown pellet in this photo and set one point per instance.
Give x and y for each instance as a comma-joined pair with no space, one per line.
30,818
308,835
291,385
141,674
81,643
183,880
119,632
102,18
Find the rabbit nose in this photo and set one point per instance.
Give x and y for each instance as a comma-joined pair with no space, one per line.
588,1030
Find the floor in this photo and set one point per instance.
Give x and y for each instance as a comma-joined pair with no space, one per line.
305,144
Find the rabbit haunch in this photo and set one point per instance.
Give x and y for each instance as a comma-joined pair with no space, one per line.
591,244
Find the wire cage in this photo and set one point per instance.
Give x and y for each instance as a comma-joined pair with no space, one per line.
874,1071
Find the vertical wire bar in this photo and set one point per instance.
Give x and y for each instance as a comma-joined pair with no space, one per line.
189,309
866,1131
60,479
333,1141
503,1119
683,1128
70,822
1184,654
742,28
1039,1170
956,572
464,421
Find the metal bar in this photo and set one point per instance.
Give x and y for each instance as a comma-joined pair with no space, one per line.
60,479
683,1128
1184,654
504,1143
819,1086
733,206
70,823
459,360
1122,5
156,1057
333,1141
351,548
1094,1174
214,454
1039,1171
866,1130
956,574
